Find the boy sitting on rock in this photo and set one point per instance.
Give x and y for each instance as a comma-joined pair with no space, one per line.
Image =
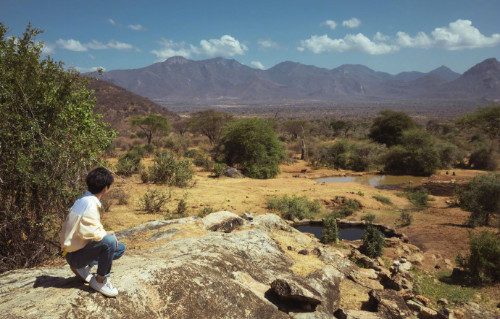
84,241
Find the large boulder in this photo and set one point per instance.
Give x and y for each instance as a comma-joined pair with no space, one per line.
222,221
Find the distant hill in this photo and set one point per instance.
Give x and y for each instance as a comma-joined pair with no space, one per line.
226,81
116,104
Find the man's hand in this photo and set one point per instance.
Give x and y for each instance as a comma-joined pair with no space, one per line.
110,232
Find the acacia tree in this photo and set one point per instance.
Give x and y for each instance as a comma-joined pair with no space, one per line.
49,137
151,124
487,121
209,123
389,126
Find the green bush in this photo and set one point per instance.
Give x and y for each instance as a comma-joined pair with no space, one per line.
483,159
128,163
382,199
405,219
329,233
49,138
219,169
295,207
369,218
181,208
153,201
481,198
168,170
204,162
483,262
366,156
449,155
252,145
205,211
389,126
118,196
417,196
373,242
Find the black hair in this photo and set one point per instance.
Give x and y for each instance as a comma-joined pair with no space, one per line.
99,178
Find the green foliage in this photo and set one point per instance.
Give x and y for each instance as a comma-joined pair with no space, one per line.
295,207
204,162
329,233
252,145
373,242
205,211
166,169
49,136
153,201
426,284
449,155
209,123
481,198
365,156
405,219
417,196
416,155
383,199
487,121
219,169
150,125
483,262
128,163
389,126
341,127
181,208
369,218
295,128
484,159
114,196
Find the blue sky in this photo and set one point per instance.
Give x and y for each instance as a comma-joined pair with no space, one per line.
390,36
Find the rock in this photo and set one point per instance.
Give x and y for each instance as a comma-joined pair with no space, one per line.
247,216
356,314
442,301
458,314
232,172
290,296
428,313
222,221
389,304
413,305
316,252
304,252
423,300
163,234
271,222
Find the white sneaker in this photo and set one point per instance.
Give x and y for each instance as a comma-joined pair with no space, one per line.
105,287
82,273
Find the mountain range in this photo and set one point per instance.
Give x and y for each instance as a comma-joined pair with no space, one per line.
226,81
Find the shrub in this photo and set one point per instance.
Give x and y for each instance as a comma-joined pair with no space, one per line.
418,197
153,201
483,262
144,176
449,155
167,170
252,145
369,218
330,231
192,153
204,162
373,242
219,169
481,198
365,156
106,203
389,126
128,163
483,159
49,136
118,195
205,211
405,219
181,208
382,199
295,207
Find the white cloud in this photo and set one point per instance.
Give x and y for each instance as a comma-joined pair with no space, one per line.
48,48
225,46
351,23
72,45
171,48
136,27
258,65
267,44
111,21
458,35
91,69
351,42
331,24
92,57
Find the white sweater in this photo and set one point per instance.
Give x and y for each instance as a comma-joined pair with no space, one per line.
82,224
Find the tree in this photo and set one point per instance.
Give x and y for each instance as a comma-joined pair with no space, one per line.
483,261
389,126
329,232
295,128
481,198
252,145
151,124
49,138
341,127
487,121
209,123
373,242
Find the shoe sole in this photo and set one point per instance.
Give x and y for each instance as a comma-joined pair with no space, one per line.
77,274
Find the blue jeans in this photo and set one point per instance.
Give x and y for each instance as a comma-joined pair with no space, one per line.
100,253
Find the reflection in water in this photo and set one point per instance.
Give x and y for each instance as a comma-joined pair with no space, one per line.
351,233
373,180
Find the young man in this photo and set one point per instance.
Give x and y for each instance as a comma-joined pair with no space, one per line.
84,241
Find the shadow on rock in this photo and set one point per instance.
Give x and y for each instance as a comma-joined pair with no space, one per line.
60,282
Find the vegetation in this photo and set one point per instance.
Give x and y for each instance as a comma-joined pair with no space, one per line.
373,242
487,121
427,285
389,127
129,163
153,201
417,196
347,208
369,218
209,123
483,262
382,199
151,124
330,232
205,211
49,138
405,219
482,199
181,208
168,170
295,207
252,145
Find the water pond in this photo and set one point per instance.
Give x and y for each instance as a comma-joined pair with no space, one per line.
373,180
347,233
